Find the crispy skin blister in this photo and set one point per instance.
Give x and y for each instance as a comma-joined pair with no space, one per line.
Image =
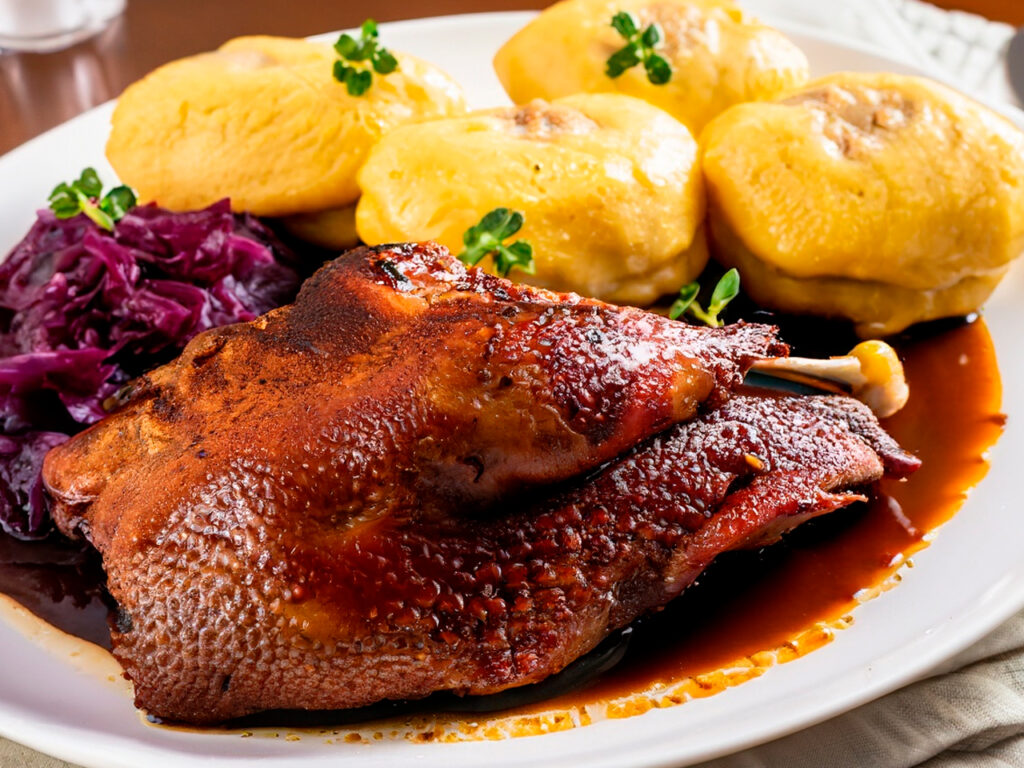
345,500
400,378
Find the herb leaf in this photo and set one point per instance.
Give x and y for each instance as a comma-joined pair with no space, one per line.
658,70
651,36
726,290
384,62
83,196
347,47
486,239
687,294
352,68
625,24
639,48
118,201
89,183
519,256
620,61
502,222
64,201
358,81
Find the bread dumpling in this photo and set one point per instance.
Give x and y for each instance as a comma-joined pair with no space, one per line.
719,56
885,199
263,121
608,184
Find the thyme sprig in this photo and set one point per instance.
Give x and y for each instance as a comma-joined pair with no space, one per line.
486,239
639,49
726,290
85,195
361,58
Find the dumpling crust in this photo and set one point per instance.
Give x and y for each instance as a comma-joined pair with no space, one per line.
719,55
883,198
609,185
263,121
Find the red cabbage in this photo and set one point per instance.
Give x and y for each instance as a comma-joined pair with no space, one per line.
23,511
84,310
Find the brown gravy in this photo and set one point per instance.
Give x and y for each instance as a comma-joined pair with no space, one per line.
59,581
748,603
786,596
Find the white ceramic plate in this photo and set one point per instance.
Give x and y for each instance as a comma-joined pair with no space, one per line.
965,584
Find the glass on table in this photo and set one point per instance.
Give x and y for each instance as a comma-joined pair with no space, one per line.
50,25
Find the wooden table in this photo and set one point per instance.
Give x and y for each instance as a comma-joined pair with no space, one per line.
39,91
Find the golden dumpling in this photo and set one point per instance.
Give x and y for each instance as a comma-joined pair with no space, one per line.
885,199
263,121
608,184
719,56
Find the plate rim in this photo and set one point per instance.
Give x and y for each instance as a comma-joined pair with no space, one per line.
656,752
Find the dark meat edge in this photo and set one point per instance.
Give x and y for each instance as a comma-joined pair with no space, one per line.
476,600
567,355
613,648
754,507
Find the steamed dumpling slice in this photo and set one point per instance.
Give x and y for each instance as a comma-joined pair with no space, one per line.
719,56
263,121
885,199
609,186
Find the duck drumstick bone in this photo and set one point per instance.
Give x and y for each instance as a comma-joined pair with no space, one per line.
871,372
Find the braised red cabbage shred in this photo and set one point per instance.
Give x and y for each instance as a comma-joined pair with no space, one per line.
84,310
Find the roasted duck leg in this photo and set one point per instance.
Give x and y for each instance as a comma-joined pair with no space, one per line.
478,605
354,498
399,379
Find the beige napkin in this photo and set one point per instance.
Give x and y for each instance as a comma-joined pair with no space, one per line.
968,714
16,756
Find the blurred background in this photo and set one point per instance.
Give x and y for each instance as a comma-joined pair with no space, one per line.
117,42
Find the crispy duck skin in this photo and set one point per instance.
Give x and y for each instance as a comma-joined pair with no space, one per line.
352,498
400,379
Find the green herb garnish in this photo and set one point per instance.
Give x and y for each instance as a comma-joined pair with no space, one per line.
485,239
726,290
359,57
83,196
639,49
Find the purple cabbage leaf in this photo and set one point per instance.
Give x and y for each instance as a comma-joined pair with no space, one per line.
83,311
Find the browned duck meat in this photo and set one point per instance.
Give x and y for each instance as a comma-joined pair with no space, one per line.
408,481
